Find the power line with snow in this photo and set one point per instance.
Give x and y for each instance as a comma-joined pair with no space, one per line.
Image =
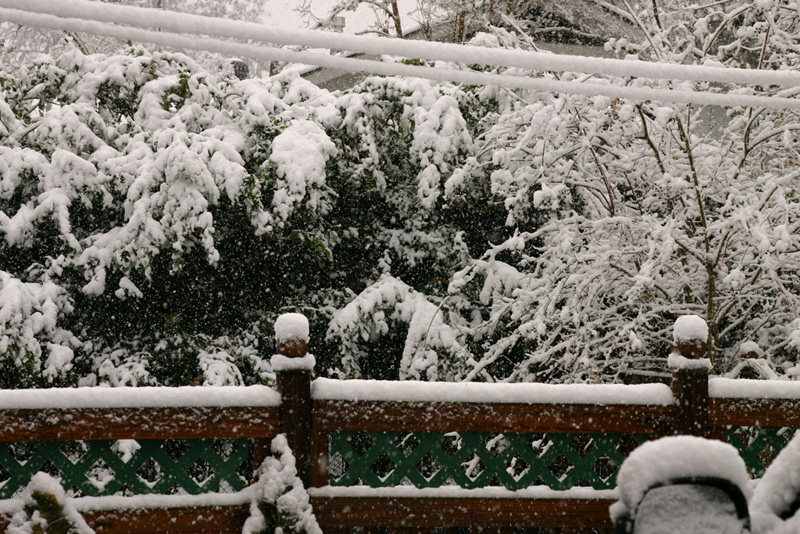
131,23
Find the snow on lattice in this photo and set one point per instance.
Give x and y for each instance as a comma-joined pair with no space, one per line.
676,457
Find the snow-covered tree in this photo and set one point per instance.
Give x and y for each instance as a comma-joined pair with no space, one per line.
280,502
652,211
153,192
387,14
47,509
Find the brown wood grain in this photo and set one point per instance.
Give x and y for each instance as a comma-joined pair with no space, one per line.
426,512
169,520
690,389
183,520
296,420
478,417
320,459
754,412
138,423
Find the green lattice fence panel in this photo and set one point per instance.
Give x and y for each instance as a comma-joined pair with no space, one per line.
130,467
474,460
758,446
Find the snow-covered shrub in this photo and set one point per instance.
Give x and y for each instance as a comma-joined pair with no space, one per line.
35,350
280,503
777,493
429,231
175,213
431,350
132,191
47,509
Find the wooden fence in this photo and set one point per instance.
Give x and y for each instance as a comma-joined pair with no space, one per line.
408,456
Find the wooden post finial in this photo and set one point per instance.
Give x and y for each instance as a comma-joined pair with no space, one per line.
690,334
291,335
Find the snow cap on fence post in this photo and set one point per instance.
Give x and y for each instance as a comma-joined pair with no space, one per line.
291,341
690,334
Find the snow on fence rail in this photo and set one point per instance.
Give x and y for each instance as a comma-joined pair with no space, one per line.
374,454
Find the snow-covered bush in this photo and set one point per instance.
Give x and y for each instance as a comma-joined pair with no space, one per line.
431,350
777,492
280,503
155,218
47,509
33,347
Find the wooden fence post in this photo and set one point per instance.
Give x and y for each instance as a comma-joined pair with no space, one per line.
293,366
690,376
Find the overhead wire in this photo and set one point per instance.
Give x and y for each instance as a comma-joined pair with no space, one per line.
276,35
107,20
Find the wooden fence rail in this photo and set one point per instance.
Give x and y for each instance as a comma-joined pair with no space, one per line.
422,456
